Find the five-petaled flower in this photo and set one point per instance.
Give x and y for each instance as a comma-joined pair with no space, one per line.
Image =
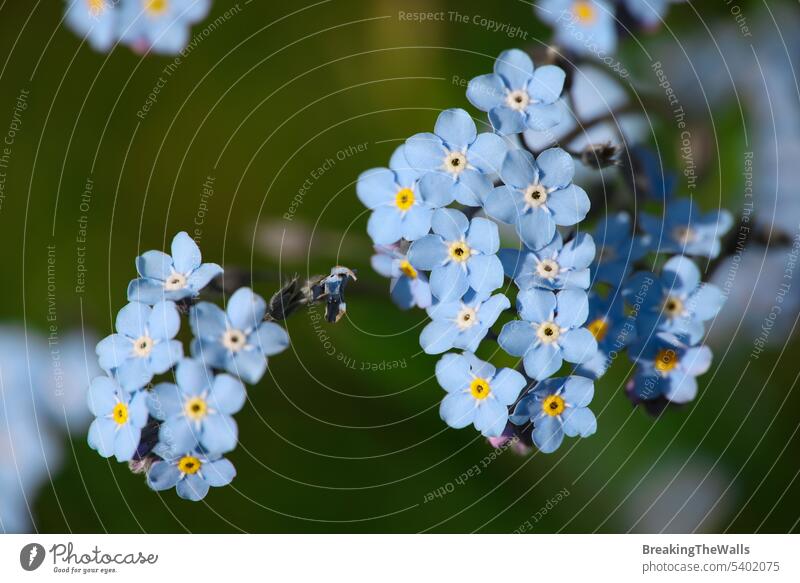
120,417
238,340
409,287
462,323
685,229
617,248
516,96
455,158
197,411
557,407
143,345
538,195
550,331
161,26
460,254
555,266
95,20
191,473
477,393
175,277
585,27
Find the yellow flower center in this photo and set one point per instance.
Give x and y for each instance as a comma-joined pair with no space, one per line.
234,340
407,269
584,11
459,251
189,464
548,332
120,414
142,346
518,100
455,162
553,405
535,195
479,388
673,307
175,282
404,199
666,360
196,408
598,328
548,269
96,7
156,7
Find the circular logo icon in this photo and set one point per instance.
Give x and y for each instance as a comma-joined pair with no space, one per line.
31,556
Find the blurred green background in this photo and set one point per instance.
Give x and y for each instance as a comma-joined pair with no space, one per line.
277,90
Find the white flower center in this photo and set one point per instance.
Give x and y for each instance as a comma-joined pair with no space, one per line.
518,99
535,195
455,162
684,235
142,346
548,332
234,340
673,307
175,281
548,269
466,318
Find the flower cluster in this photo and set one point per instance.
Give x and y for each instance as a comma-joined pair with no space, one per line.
161,26
179,428
590,27
582,297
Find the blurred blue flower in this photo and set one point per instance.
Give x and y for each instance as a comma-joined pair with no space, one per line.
517,97
586,27
677,302
684,229
408,286
652,179
191,473
120,417
550,331
460,254
462,323
555,266
612,329
400,209
198,409
538,194
617,248
667,367
456,158
557,407
162,26
172,278
238,341
143,345
94,20
649,13
477,393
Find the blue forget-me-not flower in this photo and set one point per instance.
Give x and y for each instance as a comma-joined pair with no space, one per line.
120,417
617,248
555,266
685,229
95,20
516,96
462,323
538,194
550,331
459,254
191,473
144,344
161,26
585,27
557,407
408,286
477,393
238,340
175,277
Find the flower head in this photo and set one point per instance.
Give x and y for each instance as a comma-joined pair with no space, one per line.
238,341
555,266
197,411
462,323
550,331
586,27
95,20
612,329
143,345
455,158
161,26
617,248
516,96
684,229
667,367
120,417
459,254
557,407
175,277
409,287
191,473
538,195
477,393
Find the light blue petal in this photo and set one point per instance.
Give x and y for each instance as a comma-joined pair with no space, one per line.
542,361
185,253
154,265
164,321
519,169
385,225
137,409
680,276
438,337
682,388
227,394
696,361
164,355
208,320
164,401
470,339
507,121
126,441
491,418
457,410
245,309
471,188
515,66
572,308
134,373
453,372
486,92
113,350
270,338
102,433
487,153
536,228
177,436
428,253
706,302
192,487
578,253
132,319
376,187
102,396
504,204
451,224
425,151
578,345
437,189
449,282
219,473
483,236
569,205
578,421
480,368
417,222
578,391
192,377
516,337
163,476
547,84
445,310
383,263
147,291
507,385
249,365
220,433
485,273
536,305
547,434
456,128
491,309
201,277
544,116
